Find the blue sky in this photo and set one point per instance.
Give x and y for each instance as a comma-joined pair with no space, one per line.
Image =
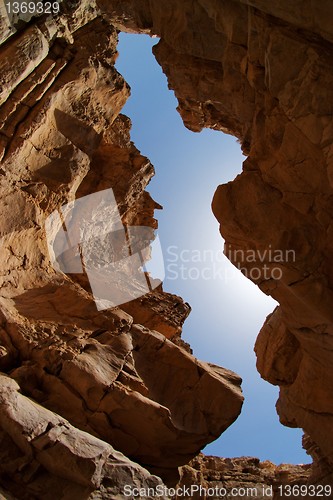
227,309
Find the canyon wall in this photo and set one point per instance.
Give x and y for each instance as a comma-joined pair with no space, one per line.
262,71
91,400
244,477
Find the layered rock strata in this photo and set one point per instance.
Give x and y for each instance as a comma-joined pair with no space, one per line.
243,477
85,392
262,71
56,460
259,70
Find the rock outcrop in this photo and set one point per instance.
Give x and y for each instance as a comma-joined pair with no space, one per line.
243,477
262,71
55,459
80,386
76,381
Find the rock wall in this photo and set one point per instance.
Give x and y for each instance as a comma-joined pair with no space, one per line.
244,477
90,400
76,380
262,71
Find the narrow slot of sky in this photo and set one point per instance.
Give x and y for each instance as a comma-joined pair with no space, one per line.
227,309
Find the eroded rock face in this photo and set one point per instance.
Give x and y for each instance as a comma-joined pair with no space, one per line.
78,383
55,459
243,477
262,71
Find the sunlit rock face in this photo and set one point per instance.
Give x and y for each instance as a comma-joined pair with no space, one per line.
122,379
90,400
262,71
243,477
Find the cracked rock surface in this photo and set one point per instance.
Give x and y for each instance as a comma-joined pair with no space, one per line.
56,459
76,381
90,400
262,71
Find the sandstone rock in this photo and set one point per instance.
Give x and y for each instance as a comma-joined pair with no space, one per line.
64,138
124,383
55,459
163,312
243,477
260,71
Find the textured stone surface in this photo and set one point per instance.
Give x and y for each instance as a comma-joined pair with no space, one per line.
83,383
119,381
43,456
243,477
261,71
